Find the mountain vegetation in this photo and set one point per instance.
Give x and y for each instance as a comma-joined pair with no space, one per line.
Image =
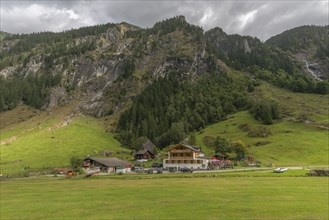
301,38
163,83
169,109
262,61
308,44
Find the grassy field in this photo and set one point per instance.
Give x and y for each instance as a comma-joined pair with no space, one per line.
314,106
291,142
171,198
45,141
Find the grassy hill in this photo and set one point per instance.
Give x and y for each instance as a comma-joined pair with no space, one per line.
43,139
300,138
50,139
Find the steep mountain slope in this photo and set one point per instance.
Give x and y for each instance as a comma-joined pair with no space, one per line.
263,61
106,64
163,82
309,45
99,63
244,52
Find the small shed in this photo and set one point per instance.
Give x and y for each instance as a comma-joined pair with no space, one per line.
109,165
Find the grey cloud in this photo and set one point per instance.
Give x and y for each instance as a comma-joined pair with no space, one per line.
256,18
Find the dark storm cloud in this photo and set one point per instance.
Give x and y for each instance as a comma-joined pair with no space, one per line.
256,18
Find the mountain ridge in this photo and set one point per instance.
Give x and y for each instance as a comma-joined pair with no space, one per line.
106,66
165,83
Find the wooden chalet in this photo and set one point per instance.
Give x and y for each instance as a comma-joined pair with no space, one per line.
185,156
148,152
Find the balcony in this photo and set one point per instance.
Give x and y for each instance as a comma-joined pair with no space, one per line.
181,158
181,151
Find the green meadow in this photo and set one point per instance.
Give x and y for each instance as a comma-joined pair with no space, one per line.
173,197
42,142
292,141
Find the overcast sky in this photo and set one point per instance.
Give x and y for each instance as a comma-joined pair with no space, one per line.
262,19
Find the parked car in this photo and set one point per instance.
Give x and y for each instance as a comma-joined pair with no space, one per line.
280,170
153,170
186,170
149,171
139,169
156,164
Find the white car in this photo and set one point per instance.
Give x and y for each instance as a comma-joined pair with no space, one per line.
280,170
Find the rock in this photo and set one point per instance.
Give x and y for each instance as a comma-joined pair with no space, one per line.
319,172
58,96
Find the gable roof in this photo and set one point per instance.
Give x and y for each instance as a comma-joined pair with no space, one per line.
148,145
110,162
194,148
143,151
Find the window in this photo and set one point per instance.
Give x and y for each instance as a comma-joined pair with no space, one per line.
185,161
178,161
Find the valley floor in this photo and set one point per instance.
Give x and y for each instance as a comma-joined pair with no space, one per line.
182,196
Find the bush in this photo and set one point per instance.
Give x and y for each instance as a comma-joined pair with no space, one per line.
245,127
260,131
240,148
265,112
76,163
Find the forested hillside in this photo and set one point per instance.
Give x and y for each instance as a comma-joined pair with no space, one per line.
162,83
170,109
303,37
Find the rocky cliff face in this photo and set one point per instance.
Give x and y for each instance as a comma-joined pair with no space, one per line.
228,44
115,68
105,66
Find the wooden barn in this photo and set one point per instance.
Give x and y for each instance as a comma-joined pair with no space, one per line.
108,165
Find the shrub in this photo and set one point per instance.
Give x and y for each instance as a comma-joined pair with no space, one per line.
260,131
245,127
76,163
265,112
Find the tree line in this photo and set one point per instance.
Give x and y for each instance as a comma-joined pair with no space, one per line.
32,90
170,108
